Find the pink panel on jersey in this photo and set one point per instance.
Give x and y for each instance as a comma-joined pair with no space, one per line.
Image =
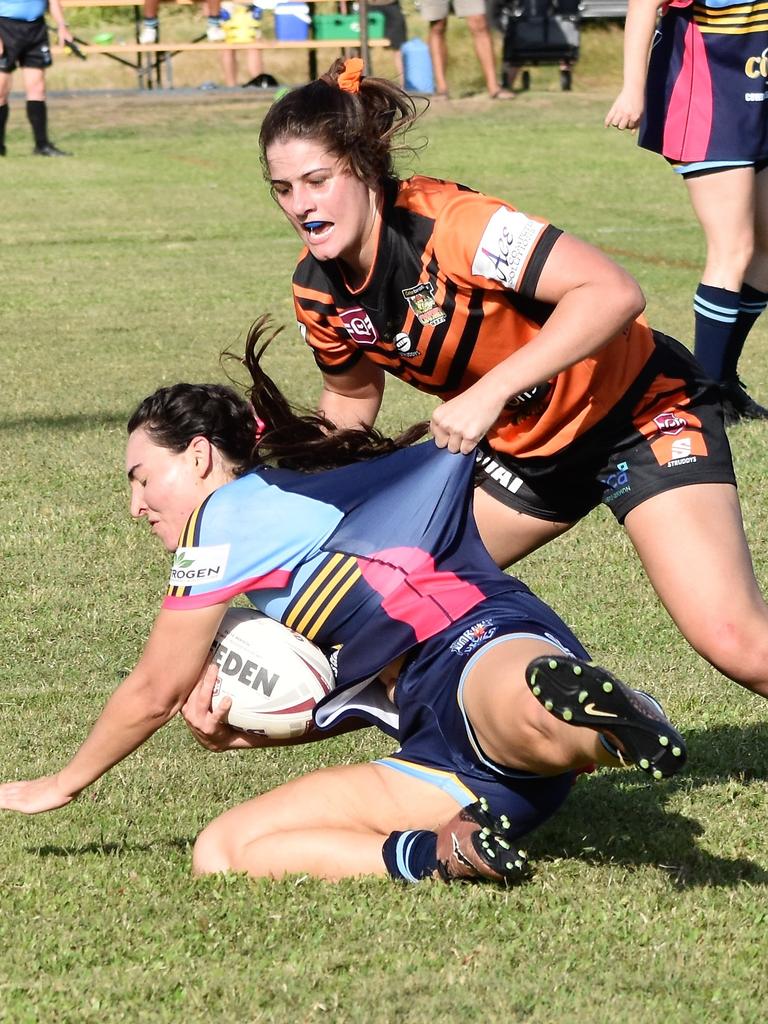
277,579
415,592
688,124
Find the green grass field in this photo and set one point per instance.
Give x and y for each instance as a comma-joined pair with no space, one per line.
135,264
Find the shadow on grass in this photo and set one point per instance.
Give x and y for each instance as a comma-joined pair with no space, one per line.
74,421
620,818
727,752
112,849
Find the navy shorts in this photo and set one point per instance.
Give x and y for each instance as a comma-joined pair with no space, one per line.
666,432
437,743
25,44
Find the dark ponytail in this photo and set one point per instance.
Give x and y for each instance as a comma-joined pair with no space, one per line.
265,430
357,127
307,440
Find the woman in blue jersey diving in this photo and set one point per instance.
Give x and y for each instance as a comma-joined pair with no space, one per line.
491,698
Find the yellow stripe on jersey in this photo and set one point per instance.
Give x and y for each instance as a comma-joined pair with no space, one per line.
719,30
736,20
310,589
187,540
322,594
733,9
329,606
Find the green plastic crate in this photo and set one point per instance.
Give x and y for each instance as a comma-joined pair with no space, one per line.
347,26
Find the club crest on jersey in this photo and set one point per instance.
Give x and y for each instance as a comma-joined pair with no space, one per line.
405,346
421,299
358,325
670,423
473,637
676,438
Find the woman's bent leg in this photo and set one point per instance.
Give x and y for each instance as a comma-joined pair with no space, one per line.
691,541
534,709
510,725
331,824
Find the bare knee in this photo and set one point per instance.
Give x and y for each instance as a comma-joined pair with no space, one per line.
738,650
556,746
213,853
728,255
477,24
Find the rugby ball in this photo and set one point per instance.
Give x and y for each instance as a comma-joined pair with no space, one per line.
274,676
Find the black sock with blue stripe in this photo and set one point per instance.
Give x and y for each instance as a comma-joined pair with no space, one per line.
751,304
715,311
412,855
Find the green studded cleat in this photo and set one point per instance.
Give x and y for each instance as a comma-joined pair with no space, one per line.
473,847
581,693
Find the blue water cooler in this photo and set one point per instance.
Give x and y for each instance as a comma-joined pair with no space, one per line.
292,21
417,66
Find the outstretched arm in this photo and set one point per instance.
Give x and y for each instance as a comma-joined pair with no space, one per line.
627,108
148,698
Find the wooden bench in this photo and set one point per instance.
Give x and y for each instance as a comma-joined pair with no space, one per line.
153,62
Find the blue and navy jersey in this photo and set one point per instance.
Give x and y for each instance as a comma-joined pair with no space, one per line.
707,85
366,561
23,10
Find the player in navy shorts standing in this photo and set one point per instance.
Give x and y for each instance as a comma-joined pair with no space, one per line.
703,104
490,696
24,43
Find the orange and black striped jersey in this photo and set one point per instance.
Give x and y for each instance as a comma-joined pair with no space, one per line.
452,292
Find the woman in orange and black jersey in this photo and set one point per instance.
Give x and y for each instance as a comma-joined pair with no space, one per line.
536,344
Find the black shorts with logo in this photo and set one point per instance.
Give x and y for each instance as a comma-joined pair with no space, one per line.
25,44
666,432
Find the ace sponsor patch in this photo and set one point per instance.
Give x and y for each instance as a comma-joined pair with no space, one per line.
405,346
507,242
471,638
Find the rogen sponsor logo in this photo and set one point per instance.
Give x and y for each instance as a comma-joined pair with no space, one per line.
199,565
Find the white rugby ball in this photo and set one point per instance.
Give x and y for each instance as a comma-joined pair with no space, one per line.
274,676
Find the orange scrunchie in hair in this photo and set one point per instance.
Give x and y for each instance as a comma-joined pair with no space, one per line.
350,77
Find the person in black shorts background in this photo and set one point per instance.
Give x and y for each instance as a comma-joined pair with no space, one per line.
394,29
24,43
